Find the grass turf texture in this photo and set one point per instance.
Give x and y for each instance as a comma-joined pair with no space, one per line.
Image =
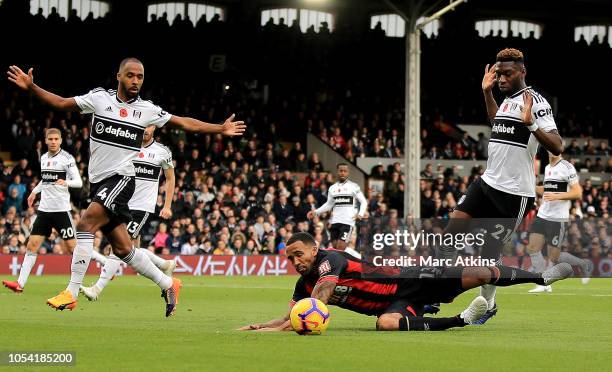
570,329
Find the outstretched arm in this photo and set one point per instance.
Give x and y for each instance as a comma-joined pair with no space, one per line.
280,324
26,82
228,128
321,291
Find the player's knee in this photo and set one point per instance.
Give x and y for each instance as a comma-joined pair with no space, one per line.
387,323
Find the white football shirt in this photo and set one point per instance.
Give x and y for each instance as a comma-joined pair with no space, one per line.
512,147
60,166
558,178
148,166
342,200
117,128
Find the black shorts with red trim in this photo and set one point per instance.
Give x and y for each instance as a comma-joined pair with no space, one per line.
428,285
405,307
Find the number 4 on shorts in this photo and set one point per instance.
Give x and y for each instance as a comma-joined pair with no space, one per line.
102,193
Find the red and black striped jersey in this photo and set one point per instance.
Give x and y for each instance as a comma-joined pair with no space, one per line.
365,294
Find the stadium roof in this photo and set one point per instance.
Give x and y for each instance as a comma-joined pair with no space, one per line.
567,11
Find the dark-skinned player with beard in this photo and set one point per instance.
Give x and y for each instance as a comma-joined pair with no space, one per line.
506,191
119,119
394,295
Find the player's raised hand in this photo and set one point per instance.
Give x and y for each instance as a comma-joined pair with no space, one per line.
233,128
310,215
20,78
528,104
489,78
165,213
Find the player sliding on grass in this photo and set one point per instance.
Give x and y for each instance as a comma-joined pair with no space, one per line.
152,158
58,172
395,295
118,123
551,224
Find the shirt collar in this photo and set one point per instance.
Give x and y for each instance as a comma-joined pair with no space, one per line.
130,101
519,92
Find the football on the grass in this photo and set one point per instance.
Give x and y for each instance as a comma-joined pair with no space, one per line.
309,316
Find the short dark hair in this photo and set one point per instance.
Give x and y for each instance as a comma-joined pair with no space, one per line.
303,237
341,165
127,60
510,55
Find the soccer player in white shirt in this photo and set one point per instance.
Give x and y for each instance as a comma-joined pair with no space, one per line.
506,190
152,159
58,172
342,199
118,122
560,187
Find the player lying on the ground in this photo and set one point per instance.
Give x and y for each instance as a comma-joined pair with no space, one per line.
58,171
396,296
550,226
152,159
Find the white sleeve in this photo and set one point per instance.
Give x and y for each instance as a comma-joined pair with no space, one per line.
572,176
73,177
543,116
159,117
167,161
86,101
38,188
363,203
327,206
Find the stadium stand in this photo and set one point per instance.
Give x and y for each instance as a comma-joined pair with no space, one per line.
246,196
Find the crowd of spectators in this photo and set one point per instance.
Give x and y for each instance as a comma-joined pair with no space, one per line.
247,195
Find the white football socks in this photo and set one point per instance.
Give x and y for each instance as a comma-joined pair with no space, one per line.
538,262
80,261
140,262
26,266
571,259
110,268
157,261
98,257
488,292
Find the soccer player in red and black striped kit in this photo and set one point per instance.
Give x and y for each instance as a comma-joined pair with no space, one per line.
394,295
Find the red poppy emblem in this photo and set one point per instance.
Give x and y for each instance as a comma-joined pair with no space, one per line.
123,113
140,155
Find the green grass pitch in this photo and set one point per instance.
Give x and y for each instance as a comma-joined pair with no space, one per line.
570,329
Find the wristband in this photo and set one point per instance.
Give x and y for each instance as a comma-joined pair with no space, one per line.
533,127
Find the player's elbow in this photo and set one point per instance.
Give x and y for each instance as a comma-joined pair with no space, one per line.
557,147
